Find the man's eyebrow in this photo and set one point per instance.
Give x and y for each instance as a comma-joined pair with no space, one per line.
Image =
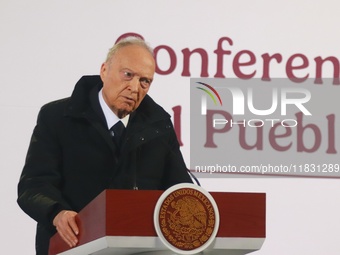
136,73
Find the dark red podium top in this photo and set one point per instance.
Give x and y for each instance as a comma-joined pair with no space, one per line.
130,213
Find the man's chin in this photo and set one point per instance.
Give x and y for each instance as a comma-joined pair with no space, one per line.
123,112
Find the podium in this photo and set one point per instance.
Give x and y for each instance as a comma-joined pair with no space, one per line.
121,222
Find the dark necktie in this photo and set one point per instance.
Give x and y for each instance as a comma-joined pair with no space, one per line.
118,130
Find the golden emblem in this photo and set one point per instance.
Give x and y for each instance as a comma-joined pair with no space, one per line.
187,219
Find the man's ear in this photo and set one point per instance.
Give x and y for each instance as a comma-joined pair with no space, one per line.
103,71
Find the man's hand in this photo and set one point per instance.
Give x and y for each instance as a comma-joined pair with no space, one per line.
66,226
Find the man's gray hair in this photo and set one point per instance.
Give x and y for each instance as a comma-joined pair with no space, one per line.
130,40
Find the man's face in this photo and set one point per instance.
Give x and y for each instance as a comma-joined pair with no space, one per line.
127,78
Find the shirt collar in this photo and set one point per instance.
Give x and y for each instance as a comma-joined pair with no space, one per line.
111,118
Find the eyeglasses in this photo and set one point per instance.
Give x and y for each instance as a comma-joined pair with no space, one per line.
128,75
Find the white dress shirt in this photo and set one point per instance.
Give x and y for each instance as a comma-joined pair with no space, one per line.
110,116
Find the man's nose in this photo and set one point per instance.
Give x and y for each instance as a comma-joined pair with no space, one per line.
134,84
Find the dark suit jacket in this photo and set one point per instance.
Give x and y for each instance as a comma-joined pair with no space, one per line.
72,158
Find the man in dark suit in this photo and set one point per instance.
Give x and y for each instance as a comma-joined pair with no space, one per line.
73,155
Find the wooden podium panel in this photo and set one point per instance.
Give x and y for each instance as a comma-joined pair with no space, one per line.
121,222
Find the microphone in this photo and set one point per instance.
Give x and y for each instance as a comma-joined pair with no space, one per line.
192,176
136,156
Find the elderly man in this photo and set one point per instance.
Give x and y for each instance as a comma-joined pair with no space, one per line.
108,134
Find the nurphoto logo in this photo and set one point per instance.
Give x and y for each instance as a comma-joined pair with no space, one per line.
244,100
247,124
